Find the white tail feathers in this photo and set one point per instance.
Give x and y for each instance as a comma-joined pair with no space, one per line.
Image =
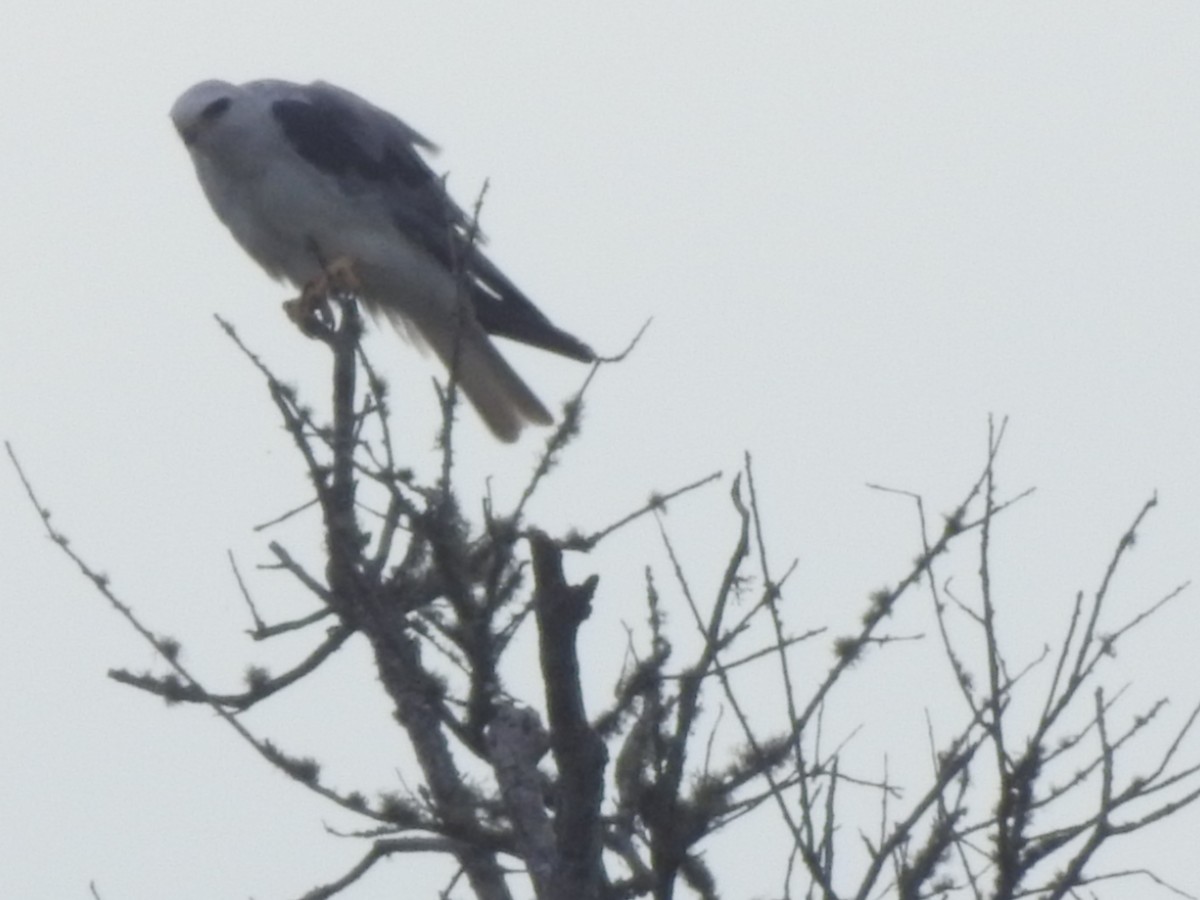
496,391
502,399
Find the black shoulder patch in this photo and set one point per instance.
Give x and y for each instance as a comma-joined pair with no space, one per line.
516,318
322,140
324,135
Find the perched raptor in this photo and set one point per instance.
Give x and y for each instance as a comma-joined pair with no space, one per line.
311,176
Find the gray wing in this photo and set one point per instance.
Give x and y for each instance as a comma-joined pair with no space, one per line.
369,149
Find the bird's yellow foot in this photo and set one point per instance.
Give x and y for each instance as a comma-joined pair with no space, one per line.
310,311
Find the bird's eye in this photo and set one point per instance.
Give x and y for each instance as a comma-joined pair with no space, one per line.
214,109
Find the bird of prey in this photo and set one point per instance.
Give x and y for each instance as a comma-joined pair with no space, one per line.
312,178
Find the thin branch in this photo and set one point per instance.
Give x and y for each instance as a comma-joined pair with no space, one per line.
382,850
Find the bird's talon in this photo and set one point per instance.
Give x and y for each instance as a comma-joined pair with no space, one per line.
311,311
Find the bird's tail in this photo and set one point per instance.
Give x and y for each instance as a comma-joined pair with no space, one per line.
426,311
502,399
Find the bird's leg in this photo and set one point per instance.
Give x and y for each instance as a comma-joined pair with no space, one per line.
310,311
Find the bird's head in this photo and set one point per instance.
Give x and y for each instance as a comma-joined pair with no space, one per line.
200,108
223,124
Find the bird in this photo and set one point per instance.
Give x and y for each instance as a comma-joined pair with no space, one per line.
316,183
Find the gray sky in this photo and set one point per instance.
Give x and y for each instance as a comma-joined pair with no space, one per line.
859,228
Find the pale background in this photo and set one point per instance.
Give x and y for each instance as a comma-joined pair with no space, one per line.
860,229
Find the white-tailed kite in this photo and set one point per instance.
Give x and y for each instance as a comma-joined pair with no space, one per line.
306,176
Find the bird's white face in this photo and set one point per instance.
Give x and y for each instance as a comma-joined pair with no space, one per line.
221,123
200,107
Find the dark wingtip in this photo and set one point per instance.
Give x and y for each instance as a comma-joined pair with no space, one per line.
515,318
556,341
573,348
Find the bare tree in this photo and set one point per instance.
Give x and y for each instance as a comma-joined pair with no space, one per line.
621,802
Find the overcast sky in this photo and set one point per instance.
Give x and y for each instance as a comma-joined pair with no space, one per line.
859,228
